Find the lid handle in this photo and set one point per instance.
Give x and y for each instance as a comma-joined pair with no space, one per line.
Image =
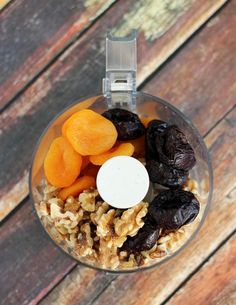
119,85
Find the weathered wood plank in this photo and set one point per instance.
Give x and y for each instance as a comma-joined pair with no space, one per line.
198,77
160,24
33,281
76,74
3,3
153,287
33,32
215,283
163,26
29,262
86,284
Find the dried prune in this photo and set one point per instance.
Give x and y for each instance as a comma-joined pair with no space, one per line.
165,175
154,128
145,239
174,149
127,123
172,209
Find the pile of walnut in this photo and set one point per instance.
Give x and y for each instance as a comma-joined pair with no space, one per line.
93,232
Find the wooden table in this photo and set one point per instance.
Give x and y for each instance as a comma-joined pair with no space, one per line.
51,54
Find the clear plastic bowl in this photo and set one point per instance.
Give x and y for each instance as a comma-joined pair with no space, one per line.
146,106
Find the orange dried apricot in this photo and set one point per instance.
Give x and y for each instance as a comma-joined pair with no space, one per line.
124,149
91,170
77,187
62,163
85,162
89,132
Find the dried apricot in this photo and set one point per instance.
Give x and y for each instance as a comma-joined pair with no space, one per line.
85,162
124,149
89,132
62,163
77,187
91,170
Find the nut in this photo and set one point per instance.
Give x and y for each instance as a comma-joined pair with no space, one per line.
100,209
87,200
131,220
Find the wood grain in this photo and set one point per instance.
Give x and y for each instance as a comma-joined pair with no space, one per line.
163,28
33,32
76,74
199,76
153,287
215,283
84,283
30,263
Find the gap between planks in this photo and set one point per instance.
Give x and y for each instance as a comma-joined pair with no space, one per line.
220,120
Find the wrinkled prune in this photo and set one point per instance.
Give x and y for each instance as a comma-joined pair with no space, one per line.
174,150
145,239
172,209
154,128
128,124
165,175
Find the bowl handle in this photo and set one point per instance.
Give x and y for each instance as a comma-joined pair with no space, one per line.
119,85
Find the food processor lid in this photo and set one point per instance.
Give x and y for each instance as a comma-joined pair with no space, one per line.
119,85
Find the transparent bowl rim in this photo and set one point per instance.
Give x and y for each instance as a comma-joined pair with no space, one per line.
208,204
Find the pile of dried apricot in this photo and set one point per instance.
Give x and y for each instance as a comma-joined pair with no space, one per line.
88,140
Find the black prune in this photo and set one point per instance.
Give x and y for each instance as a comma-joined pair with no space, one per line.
154,128
174,150
127,123
165,175
145,239
172,209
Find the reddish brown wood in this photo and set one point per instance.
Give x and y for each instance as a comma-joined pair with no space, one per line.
30,263
153,287
34,32
25,255
81,287
50,26
215,283
76,74
197,78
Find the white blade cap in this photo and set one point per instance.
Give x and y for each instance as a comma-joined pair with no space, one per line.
122,182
